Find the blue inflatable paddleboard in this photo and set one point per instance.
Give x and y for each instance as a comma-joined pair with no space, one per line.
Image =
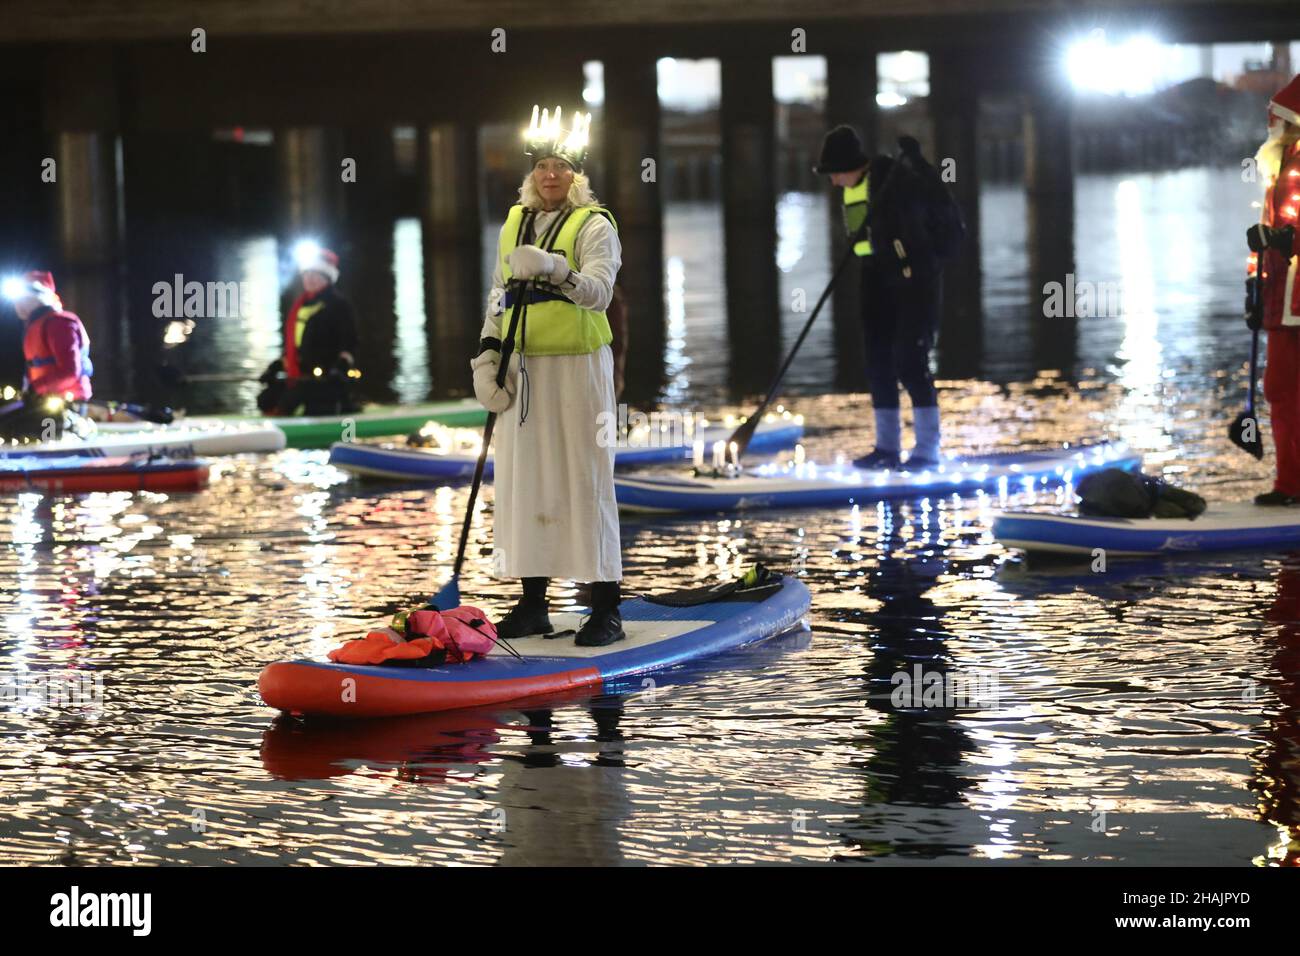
658,637
808,485
398,463
1222,528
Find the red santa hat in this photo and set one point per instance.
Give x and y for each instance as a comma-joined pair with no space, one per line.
1285,104
40,281
323,261
36,283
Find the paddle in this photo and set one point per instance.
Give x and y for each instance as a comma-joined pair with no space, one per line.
742,435
448,596
1244,430
173,377
148,413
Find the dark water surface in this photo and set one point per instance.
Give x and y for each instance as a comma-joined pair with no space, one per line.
1147,714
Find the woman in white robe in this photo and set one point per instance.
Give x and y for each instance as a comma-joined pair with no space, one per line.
555,512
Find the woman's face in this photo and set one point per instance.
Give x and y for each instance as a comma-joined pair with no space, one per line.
553,176
845,180
313,282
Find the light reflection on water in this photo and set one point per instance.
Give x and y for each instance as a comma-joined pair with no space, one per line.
1144,715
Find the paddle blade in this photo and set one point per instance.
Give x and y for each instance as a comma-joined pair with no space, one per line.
1244,433
448,596
742,435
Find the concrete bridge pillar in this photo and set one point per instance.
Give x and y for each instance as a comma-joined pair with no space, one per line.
631,136
27,223
87,198
1049,185
450,194
749,218
954,109
372,197
82,118
851,87
310,173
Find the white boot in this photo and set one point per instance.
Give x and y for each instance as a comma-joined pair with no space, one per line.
889,434
926,452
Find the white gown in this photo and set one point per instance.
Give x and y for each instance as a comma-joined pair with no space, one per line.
556,516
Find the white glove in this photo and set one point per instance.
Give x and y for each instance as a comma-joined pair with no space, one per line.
529,262
560,271
490,395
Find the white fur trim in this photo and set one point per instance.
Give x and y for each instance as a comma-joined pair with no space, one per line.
324,267
1289,316
1291,116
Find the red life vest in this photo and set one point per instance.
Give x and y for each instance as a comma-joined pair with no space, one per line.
56,349
463,633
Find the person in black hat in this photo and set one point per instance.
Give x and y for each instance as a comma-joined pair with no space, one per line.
886,202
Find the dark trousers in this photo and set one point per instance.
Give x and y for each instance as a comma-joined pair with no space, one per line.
900,321
327,395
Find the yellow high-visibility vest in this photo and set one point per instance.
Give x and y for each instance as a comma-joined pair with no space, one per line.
305,312
556,326
855,214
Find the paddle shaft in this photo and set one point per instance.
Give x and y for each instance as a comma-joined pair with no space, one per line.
742,435
507,349
1254,372
143,412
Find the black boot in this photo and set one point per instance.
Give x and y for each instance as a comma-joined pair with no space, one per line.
529,616
1276,499
605,626
880,458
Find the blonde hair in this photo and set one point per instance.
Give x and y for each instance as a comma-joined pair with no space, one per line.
580,193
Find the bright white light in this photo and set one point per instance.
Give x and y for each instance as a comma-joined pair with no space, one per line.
306,252
593,91
177,332
1131,67
14,288
889,99
690,85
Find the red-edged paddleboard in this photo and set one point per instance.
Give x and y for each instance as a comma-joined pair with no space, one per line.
75,475
658,637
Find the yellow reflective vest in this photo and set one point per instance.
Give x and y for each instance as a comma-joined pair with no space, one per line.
855,214
555,325
305,312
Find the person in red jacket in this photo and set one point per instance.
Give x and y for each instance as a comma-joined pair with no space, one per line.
56,348
1275,302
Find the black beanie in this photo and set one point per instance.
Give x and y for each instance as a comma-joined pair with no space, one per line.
841,152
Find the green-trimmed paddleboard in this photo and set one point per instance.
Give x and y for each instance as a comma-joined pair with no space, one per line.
375,421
